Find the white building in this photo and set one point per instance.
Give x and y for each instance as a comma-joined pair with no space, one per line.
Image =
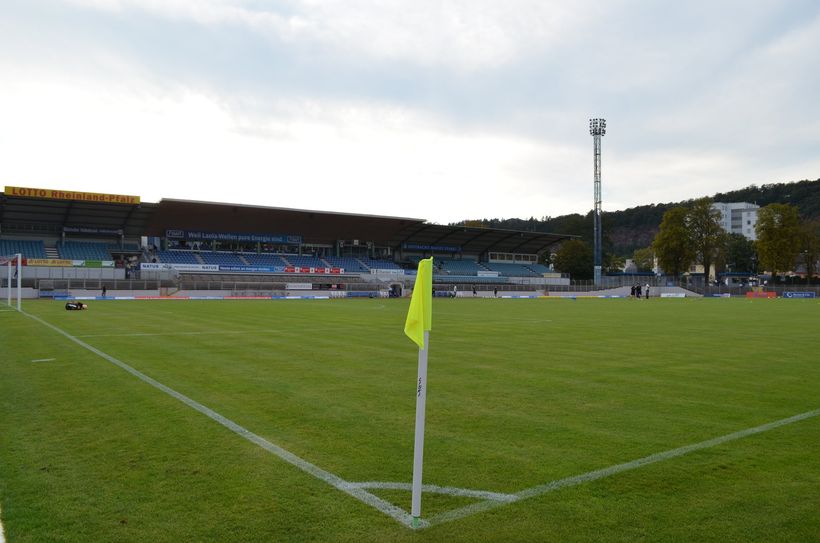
738,218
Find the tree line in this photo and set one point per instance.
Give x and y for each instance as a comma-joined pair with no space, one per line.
634,232
691,234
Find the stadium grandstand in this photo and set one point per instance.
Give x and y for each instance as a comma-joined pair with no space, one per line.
75,241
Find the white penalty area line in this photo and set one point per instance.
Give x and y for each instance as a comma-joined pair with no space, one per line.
540,490
335,481
44,360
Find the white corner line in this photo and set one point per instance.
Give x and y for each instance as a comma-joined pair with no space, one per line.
540,490
385,507
435,489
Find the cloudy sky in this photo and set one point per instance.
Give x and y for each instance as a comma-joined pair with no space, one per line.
443,110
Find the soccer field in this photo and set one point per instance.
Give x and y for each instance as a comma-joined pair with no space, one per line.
547,420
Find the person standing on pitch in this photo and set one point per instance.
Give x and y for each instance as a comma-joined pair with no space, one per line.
647,291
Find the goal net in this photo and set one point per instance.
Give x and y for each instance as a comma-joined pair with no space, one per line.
11,272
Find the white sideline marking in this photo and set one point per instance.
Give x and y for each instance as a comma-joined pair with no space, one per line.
44,360
2,537
435,489
618,468
335,481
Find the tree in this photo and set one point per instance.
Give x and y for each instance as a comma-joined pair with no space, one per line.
614,263
706,235
740,253
778,237
672,245
575,258
644,259
810,231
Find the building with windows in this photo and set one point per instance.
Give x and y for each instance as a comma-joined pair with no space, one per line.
738,218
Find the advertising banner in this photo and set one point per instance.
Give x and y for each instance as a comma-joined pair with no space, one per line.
437,248
150,266
94,231
253,269
201,235
300,269
799,295
299,286
51,194
761,294
48,262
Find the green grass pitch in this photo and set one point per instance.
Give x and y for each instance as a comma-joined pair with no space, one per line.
521,393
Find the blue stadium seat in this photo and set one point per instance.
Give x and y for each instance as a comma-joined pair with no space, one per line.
379,264
25,247
348,264
222,259
264,259
510,270
83,250
177,257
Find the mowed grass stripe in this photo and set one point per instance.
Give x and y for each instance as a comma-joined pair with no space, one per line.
601,384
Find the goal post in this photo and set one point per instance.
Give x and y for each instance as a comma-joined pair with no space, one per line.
14,265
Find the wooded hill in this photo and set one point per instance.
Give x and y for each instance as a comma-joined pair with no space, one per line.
635,228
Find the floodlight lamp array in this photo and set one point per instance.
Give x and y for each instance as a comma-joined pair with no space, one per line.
597,127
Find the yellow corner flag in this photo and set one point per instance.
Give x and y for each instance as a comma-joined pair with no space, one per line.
420,314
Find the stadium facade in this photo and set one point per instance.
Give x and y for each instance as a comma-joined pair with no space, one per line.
74,240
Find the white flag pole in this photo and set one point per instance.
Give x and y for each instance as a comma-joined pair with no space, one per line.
418,449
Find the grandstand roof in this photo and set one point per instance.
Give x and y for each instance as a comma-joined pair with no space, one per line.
48,217
313,226
475,240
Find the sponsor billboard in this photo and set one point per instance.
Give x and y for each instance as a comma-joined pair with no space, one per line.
438,248
201,235
48,262
51,194
152,266
799,295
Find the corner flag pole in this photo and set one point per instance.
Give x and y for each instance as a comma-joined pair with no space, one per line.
417,327
418,447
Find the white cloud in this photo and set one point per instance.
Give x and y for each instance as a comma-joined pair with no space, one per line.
483,113
332,156
462,35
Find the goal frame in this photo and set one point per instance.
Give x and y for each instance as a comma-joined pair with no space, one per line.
14,264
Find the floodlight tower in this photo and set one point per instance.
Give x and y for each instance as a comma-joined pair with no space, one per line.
597,128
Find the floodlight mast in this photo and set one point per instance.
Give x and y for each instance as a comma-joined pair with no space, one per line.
597,128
